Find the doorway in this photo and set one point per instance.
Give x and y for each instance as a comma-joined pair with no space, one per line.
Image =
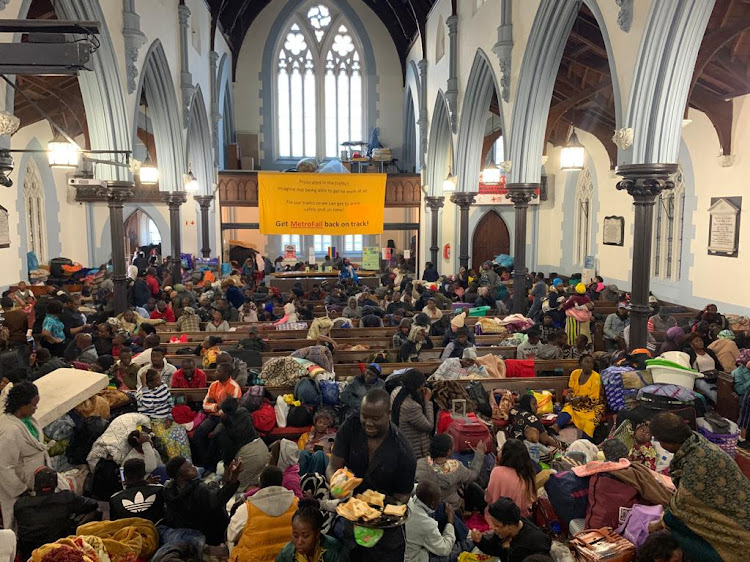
491,237
140,231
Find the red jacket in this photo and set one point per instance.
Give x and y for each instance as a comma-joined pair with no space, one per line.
198,380
153,284
167,315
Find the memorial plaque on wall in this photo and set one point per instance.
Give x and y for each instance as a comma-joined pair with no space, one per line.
4,228
614,231
724,226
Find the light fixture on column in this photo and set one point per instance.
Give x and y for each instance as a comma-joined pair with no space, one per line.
148,174
191,183
572,154
61,153
449,183
491,173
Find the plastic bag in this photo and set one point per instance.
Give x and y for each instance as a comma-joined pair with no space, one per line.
544,402
635,527
281,409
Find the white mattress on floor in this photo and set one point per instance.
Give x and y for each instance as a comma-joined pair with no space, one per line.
63,389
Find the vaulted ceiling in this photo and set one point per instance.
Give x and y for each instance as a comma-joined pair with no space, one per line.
403,19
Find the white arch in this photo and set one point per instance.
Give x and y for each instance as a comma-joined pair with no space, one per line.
440,146
156,82
199,150
474,110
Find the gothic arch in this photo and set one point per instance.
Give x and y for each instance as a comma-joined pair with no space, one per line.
199,149
102,90
409,153
440,146
541,61
156,82
227,134
476,103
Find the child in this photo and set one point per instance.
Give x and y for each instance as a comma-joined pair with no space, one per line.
643,451
124,374
536,449
548,328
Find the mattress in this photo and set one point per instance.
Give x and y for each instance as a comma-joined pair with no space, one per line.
63,389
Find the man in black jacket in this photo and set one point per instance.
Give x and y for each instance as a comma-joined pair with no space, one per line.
191,504
43,363
139,498
46,516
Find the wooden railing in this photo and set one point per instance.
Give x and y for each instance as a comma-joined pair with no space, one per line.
240,189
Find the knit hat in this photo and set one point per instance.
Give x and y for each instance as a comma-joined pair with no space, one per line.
459,321
726,335
375,368
556,282
580,288
470,353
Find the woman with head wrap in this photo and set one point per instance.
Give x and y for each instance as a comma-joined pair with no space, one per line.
726,350
417,339
412,412
673,340
578,309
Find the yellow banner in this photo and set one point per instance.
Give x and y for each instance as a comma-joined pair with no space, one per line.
293,203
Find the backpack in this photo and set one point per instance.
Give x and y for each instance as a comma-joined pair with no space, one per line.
480,396
299,416
253,398
105,481
569,495
308,392
329,391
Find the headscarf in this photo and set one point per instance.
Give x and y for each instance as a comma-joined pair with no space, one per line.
557,282
288,454
414,332
675,334
188,310
411,381
726,335
581,289
459,321
469,353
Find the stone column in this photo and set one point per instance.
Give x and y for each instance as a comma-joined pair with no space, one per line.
464,200
205,203
434,204
215,113
174,199
451,93
117,192
186,78
520,194
422,122
644,183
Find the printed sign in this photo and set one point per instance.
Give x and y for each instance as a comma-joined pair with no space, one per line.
489,194
371,258
293,203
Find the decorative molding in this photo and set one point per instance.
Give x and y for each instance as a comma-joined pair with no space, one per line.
134,40
623,138
625,15
204,201
3,4
726,160
116,192
174,199
96,194
451,93
434,203
522,193
504,47
644,182
8,123
186,78
506,165
463,199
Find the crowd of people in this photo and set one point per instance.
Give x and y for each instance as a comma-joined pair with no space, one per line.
203,481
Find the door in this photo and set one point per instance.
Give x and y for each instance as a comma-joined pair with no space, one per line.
491,238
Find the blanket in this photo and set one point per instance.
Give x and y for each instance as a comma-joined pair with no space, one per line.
113,443
124,536
494,365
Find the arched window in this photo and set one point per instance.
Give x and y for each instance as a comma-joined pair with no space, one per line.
33,196
440,41
583,216
668,229
319,85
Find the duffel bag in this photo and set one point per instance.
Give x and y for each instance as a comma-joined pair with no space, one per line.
569,495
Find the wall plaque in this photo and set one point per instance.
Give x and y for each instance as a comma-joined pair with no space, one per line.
724,226
614,231
4,228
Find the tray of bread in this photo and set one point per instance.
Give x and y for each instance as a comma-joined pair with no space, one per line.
374,510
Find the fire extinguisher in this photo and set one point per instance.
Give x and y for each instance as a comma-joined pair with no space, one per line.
447,251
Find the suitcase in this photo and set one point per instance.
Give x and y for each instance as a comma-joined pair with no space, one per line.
602,544
467,433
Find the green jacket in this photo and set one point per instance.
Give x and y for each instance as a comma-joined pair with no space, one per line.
334,551
741,380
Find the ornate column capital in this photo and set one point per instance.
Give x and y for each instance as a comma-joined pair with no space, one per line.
434,202
204,201
174,199
116,192
464,199
183,13
644,182
522,193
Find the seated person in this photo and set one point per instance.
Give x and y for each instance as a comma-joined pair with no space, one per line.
537,450
423,536
47,515
524,415
261,526
513,537
703,359
124,373
530,348
418,339
355,391
188,376
456,347
235,432
285,455
308,542
660,547
254,342
143,450
43,364
191,504
316,445
402,334
514,477
139,498
449,474
153,397
465,367
585,401
548,328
